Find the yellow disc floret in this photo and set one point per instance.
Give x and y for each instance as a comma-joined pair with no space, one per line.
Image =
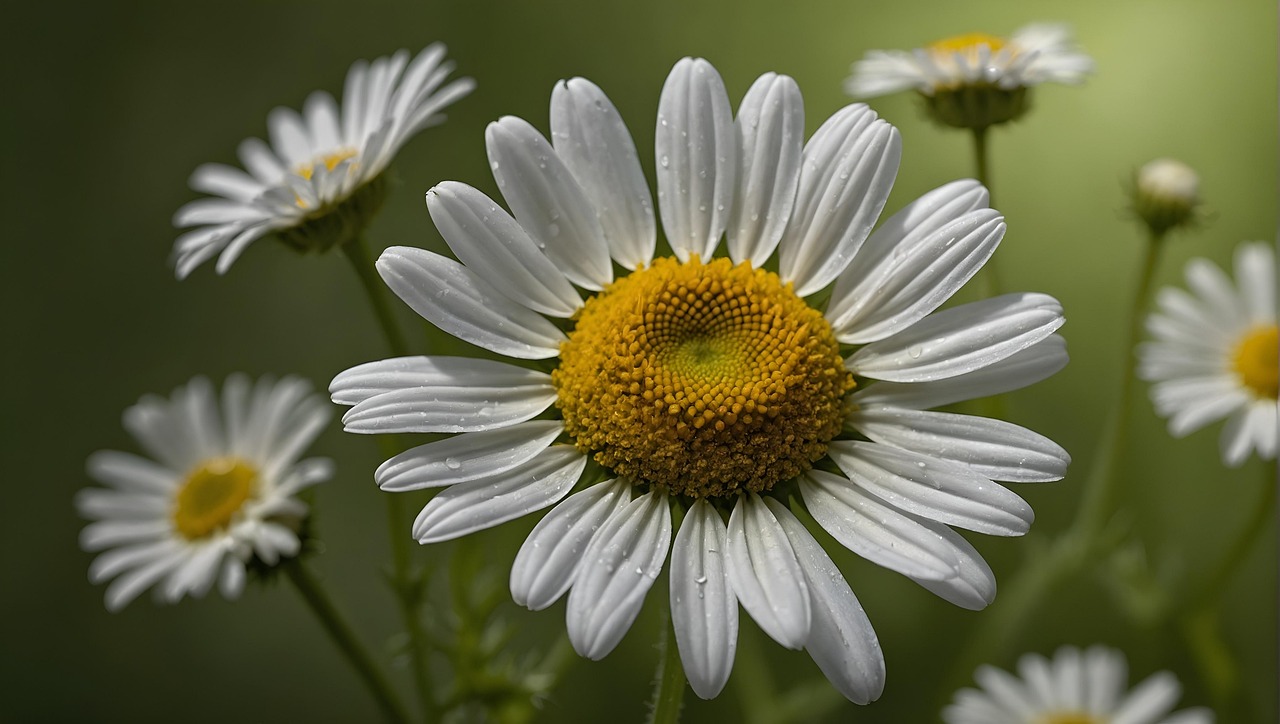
1256,360
967,43
330,161
703,379
211,495
1069,717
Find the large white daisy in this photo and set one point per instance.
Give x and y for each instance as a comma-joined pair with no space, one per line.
218,494
1034,54
708,383
320,180
1074,687
1213,353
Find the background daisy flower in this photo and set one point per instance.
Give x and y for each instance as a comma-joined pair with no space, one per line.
1074,687
1213,353
319,182
220,490
709,383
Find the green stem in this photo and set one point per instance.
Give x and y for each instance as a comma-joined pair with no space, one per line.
407,586
989,276
1263,513
668,697
345,639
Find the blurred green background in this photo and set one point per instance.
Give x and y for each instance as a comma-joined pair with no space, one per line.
110,106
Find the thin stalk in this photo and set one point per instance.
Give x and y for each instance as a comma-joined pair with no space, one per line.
345,639
668,696
407,586
989,276
1263,513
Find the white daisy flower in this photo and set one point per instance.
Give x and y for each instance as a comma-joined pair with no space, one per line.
974,79
709,382
320,181
1075,687
218,494
1213,353
1166,193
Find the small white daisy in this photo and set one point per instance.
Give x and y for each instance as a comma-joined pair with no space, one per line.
974,80
320,180
219,492
709,383
1213,353
1074,687
1166,193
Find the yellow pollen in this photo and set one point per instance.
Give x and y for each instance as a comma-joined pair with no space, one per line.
1069,717
211,495
704,379
1256,360
330,161
967,43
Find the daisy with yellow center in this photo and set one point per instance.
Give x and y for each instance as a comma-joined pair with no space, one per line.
712,383
219,494
1074,687
1213,353
974,80
320,180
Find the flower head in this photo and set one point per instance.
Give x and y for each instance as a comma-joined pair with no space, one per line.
974,80
319,182
218,494
713,383
1213,353
1166,193
1074,687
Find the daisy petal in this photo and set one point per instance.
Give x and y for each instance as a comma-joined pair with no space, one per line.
1255,267
459,302
764,573
548,202
480,504
961,339
467,457
696,149
596,146
935,489
704,609
371,379
128,472
553,553
841,640
973,587
770,126
484,399
992,448
876,531
485,238
1149,701
849,167
619,567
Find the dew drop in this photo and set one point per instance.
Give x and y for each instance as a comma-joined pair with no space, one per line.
453,463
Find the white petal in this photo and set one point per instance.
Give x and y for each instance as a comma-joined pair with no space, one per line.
127,587
933,488
697,154
764,573
489,398
261,161
467,457
289,136
231,579
1027,367
849,167
114,533
961,339
973,586
224,180
770,127
911,265
619,567
841,640
1149,701
376,378
596,146
480,504
551,556
548,202
485,238
321,113
458,301
876,531
704,609
125,471
993,448
1255,266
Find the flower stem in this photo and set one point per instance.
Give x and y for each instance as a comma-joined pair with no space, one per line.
338,629
668,696
1263,513
989,276
407,584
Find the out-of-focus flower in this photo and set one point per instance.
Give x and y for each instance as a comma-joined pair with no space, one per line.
1074,687
709,383
219,492
320,181
975,80
1213,353
1166,193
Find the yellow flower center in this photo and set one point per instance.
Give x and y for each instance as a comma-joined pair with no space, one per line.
967,43
1256,360
1069,717
211,495
703,379
330,161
